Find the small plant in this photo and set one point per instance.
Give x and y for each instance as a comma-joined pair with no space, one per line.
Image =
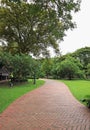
87,100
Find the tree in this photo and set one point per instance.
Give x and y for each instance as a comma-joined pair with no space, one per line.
6,60
88,70
33,27
69,68
21,66
46,67
54,71
83,55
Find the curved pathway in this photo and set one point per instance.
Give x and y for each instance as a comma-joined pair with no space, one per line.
50,107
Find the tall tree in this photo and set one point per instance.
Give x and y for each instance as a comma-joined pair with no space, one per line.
36,25
47,67
70,68
83,54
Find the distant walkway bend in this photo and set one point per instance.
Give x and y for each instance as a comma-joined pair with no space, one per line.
50,107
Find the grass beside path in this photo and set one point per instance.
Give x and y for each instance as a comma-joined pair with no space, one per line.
8,95
79,88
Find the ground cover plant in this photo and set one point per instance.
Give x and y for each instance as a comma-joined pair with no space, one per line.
79,88
8,95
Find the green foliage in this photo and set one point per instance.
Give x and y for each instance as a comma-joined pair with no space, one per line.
88,70
68,68
6,60
35,26
87,101
22,66
55,73
46,67
83,55
8,95
72,65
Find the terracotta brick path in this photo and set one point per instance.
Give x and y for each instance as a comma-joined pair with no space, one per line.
50,107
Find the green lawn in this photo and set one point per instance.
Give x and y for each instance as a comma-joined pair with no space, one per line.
79,88
8,95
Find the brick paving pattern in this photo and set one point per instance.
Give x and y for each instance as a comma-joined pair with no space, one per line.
50,107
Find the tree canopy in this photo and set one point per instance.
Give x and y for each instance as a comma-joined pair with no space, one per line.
83,55
21,66
72,65
32,27
69,68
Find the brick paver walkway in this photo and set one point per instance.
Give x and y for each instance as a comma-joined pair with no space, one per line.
50,107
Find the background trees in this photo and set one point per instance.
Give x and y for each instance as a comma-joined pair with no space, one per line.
70,66
46,67
88,70
83,55
21,66
24,66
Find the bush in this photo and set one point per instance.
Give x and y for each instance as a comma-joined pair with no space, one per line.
87,100
20,66
69,69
